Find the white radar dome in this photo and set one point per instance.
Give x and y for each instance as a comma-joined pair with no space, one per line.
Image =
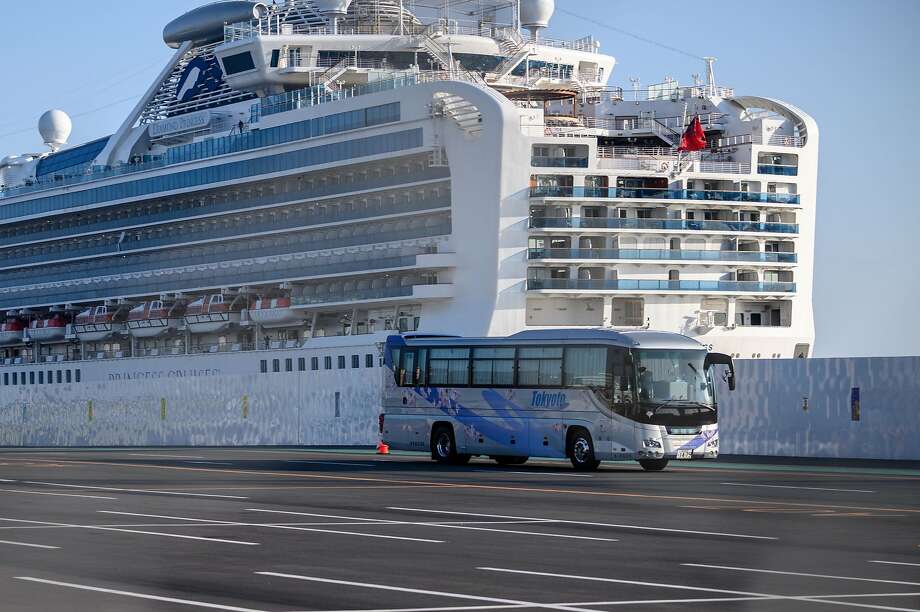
55,127
535,14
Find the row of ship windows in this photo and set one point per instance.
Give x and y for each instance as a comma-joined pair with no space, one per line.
41,377
341,363
324,154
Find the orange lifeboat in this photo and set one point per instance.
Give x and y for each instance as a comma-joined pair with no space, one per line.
275,312
11,331
150,319
96,323
48,329
210,314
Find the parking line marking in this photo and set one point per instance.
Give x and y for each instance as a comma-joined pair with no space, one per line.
187,602
438,524
807,575
766,486
56,484
158,456
385,587
896,563
277,526
118,529
613,525
28,545
58,494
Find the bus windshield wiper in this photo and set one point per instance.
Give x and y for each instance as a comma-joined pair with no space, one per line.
682,403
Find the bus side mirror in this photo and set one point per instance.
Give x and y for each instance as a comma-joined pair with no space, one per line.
722,359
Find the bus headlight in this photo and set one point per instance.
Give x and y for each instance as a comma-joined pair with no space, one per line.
651,443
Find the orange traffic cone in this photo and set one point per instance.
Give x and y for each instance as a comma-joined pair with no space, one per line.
383,448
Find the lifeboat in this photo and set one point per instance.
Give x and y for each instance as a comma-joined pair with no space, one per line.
150,319
210,314
11,331
95,324
48,329
276,312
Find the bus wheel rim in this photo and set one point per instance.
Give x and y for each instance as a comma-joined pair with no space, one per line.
581,449
443,445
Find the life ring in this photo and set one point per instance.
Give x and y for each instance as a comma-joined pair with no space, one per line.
665,166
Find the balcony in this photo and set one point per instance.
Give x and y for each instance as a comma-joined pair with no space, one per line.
777,169
416,292
551,191
538,161
572,284
662,224
662,254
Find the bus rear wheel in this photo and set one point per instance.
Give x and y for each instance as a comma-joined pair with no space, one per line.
580,449
653,465
510,460
444,446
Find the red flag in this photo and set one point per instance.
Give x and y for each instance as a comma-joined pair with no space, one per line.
694,138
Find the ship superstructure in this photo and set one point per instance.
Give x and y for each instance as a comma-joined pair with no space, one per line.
321,168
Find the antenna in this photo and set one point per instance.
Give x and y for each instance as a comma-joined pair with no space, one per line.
635,83
710,76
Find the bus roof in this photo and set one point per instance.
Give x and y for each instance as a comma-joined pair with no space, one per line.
630,339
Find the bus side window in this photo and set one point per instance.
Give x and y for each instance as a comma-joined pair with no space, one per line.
408,368
621,379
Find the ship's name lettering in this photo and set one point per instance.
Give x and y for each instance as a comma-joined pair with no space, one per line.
157,374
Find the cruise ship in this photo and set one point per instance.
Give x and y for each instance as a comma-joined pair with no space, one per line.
305,177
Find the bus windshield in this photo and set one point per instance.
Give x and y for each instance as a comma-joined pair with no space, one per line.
672,378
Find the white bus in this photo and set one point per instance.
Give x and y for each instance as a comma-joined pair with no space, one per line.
584,394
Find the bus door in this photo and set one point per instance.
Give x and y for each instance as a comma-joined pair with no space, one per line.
622,402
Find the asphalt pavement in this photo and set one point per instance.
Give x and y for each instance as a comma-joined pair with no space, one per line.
347,530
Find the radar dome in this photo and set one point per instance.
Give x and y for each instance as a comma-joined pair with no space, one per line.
535,14
55,127
332,7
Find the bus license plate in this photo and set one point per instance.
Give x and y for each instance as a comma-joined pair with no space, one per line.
684,454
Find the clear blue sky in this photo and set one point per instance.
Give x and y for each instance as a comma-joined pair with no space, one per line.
851,64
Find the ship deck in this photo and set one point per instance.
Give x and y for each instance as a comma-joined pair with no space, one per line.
344,529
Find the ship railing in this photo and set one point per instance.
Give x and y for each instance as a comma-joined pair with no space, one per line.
578,284
775,140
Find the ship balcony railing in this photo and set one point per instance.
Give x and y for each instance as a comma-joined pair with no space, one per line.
416,291
572,284
552,191
662,224
539,161
661,254
778,169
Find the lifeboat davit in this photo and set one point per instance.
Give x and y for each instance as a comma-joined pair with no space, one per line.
95,324
150,319
276,312
11,331
210,314
48,329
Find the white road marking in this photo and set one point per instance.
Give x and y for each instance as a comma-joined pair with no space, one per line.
758,596
57,494
277,526
187,602
764,571
749,484
612,525
56,484
158,456
863,595
5,480
122,530
331,463
385,587
28,545
444,525
896,563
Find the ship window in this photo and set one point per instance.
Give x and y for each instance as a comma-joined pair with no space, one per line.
78,375
50,377
368,361
31,378
41,377
289,365
355,361
276,365
69,376
263,366
240,62
341,361
302,364
276,56
60,377
314,363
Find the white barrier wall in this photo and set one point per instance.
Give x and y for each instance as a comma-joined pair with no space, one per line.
765,415
186,401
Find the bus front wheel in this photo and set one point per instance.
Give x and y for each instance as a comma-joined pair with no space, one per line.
580,449
444,446
653,465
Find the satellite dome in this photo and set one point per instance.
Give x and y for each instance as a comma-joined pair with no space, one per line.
535,14
55,127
